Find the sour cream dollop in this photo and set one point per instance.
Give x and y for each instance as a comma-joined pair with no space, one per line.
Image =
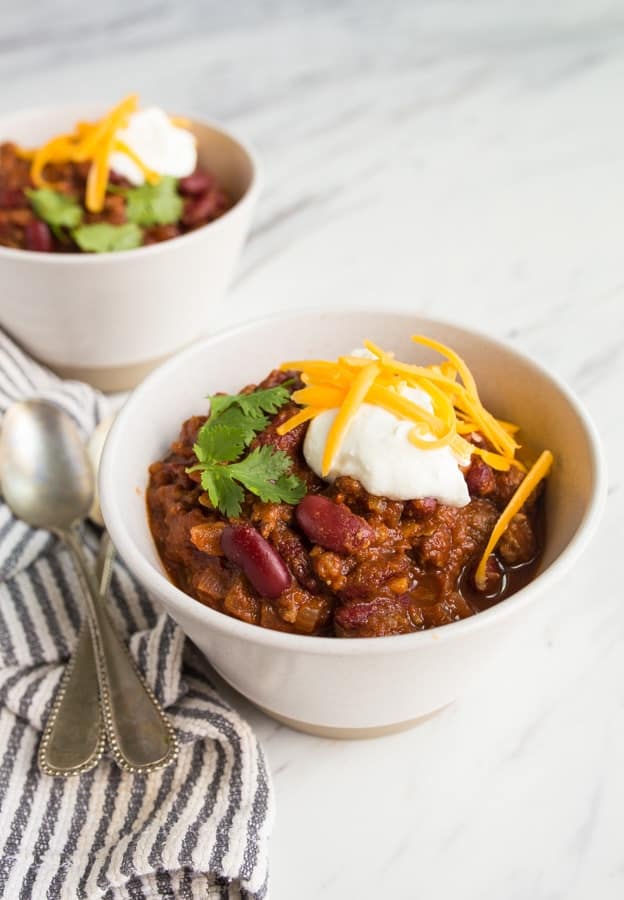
158,143
377,452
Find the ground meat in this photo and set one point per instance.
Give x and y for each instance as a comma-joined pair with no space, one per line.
415,570
518,544
207,537
17,215
241,602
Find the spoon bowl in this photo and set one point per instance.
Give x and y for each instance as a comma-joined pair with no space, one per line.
46,476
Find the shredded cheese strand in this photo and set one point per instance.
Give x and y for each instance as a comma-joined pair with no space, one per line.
490,427
93,134
150,175
477,413
536,473
494,460
404,408
508,426
320,395
97,178
456,361
307,365
375,350
352,402
304,415
427,443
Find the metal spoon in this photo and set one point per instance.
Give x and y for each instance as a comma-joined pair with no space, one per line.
47,480
74,740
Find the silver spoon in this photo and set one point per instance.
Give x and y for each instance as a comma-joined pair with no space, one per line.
74,739
47,480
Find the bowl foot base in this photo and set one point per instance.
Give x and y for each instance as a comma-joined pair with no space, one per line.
350,734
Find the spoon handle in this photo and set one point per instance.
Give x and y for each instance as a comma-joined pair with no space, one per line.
139,734
104,563
74,739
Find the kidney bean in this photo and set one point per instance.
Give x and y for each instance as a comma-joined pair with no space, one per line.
332,525
199,209
350,616
290,547
12,198
37,236
196,183
480,478
262,565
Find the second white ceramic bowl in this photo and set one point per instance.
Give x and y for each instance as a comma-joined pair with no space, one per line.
360,686
110,318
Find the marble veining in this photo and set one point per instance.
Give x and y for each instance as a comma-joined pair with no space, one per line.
466,160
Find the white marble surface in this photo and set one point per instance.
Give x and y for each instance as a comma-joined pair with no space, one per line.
463,159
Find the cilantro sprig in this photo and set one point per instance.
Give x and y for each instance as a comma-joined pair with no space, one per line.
154,204
101,237
147,205
58,210
235,419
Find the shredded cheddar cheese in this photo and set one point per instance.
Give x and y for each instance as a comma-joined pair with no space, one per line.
457,408
538,471
90,141
350,405
457,412
150,176
304,415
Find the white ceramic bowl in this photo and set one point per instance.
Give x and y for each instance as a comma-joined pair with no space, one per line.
358,686
111,318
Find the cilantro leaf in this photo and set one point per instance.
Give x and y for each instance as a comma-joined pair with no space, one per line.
234,421
154,204
219,442
223,438
253,405
248,428
266,473
225,495
237,418
219,403
58,210
104,238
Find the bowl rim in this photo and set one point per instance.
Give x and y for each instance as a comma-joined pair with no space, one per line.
70,259
220,622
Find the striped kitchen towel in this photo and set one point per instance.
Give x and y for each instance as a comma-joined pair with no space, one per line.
198,828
